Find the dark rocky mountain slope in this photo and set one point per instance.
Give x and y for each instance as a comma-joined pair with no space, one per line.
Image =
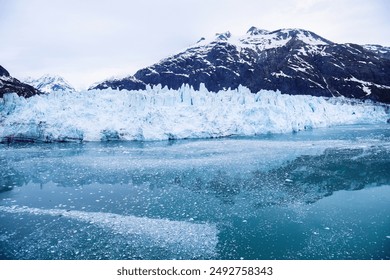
294,61
10,84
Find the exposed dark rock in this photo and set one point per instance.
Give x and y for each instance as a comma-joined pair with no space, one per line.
9,84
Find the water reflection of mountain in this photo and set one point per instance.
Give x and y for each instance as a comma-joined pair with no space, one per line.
310,178
306,179
9,177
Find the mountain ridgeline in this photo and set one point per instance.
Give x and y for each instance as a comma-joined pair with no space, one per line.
294,61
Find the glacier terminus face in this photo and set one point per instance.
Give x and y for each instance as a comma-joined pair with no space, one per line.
163,114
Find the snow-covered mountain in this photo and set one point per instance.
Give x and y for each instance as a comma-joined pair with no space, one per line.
50,83
294,61
9,84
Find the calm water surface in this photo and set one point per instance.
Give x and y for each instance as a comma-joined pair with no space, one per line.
321,194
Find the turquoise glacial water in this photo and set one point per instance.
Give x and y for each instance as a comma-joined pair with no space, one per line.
320,194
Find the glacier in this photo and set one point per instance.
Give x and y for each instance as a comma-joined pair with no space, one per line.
159,113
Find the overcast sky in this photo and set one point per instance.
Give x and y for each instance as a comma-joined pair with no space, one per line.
89,40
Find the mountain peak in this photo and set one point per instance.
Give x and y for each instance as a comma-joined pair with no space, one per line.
223,36
49,83
201,39
3,72
256,31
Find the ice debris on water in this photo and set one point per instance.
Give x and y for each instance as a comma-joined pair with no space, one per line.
188,240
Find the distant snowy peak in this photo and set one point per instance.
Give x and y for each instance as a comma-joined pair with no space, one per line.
256,31
50,83
3,72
